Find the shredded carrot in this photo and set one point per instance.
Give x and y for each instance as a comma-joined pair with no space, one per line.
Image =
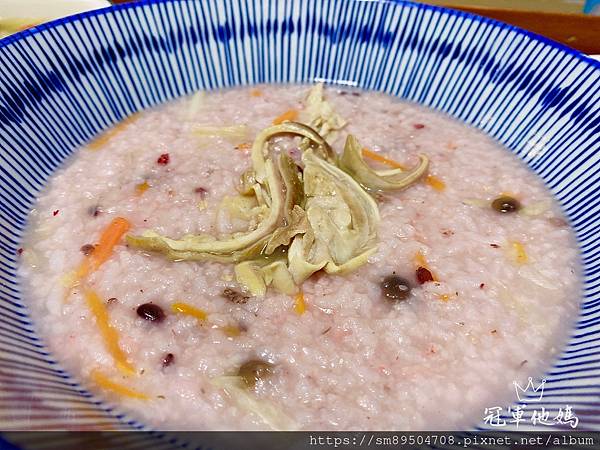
243,147
299,303
443,297
231,330
256,93
420,261
520,254
106,383
291,114
141,188
189,310
382,159
105,137
109,334
431,180
201,315
108,240
435,183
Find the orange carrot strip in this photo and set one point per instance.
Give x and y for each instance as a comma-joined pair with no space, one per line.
108,240
189,310
243,147
109,334
141,188
431,180
291,114
256,93
435,183
382,159
299,303
420,260
106,383
103,139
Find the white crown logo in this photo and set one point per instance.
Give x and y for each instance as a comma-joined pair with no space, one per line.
522,393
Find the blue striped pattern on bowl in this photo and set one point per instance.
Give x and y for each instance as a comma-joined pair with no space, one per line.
64,82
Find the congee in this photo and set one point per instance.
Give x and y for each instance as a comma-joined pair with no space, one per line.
299,257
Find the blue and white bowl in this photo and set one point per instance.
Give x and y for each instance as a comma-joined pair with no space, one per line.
63,82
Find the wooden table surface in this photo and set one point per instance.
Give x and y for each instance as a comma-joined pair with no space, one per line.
581,32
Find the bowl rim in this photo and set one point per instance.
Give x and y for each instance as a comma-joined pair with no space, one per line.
127,419
413,4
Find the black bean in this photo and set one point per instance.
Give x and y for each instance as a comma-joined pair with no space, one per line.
151,312
395,288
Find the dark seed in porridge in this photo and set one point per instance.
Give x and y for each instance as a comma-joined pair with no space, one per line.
94,211
255,371
506,204
202,192
395,288
163,159
87,249
151,312
168,359
424,275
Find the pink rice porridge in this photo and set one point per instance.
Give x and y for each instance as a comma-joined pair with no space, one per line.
488,295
